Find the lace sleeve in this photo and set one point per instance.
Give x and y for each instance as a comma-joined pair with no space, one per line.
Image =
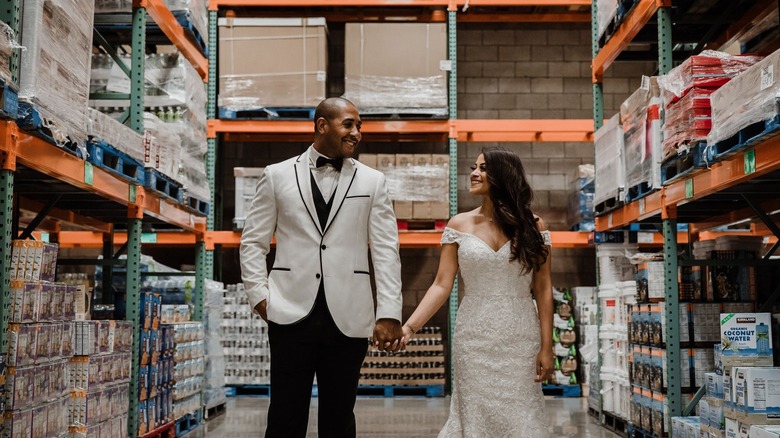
449,236
546,238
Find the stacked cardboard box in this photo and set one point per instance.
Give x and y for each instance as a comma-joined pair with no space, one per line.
418,184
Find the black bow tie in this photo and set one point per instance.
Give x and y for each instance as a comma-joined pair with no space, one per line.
335,162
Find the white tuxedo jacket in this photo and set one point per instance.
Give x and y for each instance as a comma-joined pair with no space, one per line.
361,214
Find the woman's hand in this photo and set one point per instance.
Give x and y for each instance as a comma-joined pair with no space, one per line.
407,336
545,365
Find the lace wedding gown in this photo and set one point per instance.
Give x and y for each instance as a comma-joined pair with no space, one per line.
494,347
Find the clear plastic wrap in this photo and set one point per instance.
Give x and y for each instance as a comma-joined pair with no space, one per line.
244,340
55,67
580,214
641,120
687,121
396,66
607,10
246,180
7,46
751,97
107,129
409,182
295,78
196,11
610,170
214,304
710,69
162,145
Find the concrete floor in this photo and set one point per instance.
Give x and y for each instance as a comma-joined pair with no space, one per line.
394,417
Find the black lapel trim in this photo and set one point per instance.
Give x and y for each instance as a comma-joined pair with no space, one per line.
342,202
300,192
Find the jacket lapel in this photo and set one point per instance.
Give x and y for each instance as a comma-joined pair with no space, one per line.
346,177
303,180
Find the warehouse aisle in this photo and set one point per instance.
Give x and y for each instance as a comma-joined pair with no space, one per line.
395,417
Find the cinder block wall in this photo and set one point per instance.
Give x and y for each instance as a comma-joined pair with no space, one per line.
505,71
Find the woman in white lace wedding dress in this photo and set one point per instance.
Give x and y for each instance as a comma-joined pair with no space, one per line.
501,350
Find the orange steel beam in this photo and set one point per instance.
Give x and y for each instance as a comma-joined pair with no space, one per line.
634,22
576,130
571,17
306,127
419,3
727,173
308,137
175,33
51,160
70,217
630,213
740,215
232,239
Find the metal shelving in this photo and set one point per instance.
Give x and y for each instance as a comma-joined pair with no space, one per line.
96,198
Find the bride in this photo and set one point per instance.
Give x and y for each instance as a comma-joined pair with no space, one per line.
502,348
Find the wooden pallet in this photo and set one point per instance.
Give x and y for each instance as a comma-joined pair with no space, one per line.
188,423
393,389
32,121
165,431
163,185
215,411
9,101
744,139
268,113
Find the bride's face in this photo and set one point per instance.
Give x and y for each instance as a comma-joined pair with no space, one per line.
479,182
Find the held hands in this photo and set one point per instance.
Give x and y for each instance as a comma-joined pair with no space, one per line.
388,335
544,365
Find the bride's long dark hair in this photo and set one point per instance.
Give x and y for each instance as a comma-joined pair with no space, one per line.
512,195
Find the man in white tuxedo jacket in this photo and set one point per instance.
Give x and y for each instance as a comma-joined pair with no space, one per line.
324,208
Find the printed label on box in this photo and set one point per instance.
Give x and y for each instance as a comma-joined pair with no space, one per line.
746,334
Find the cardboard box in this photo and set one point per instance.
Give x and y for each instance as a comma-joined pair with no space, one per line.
746,339
396,66
764,431
403,209
294,76
758,391
369,160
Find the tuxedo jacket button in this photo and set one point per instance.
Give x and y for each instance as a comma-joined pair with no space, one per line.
323,247
318,276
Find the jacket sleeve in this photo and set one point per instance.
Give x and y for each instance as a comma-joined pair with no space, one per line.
259,229
383,240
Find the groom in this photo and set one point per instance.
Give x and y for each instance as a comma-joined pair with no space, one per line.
324,208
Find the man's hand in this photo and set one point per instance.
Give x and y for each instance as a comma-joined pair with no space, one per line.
544,365
260,308
388,335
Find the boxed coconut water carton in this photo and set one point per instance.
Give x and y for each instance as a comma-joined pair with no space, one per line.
746,339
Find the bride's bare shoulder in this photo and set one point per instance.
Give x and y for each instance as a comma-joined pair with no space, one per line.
462,221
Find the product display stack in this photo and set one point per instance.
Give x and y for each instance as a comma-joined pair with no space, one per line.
246,179
610,177
156,367
640,116
420,365
581,199
417,183
40,344
616,291
564,346
100,378
214,375
586,310
54,71
244,341
7,46
686,94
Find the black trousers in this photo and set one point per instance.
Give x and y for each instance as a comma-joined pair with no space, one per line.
313,346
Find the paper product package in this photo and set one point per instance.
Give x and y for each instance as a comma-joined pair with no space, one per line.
395,67
764,431
295,78
55,65
758,394
746,339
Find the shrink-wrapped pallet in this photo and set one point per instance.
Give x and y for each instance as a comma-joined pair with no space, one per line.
607,11
640,117
395,67
610,171
55,67
109,130
749,98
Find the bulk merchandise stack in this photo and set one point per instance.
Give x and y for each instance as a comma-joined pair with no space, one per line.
54,72
7,46
418,370
189,348
610,180
417,184
640,119
191,14
687,91
214,375
580,214
244,341
586,308
395,69
246,180
616,291
564,346
155,407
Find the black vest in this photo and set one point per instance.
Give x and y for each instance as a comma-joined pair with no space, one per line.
323,208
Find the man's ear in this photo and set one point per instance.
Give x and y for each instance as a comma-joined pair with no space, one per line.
322,125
